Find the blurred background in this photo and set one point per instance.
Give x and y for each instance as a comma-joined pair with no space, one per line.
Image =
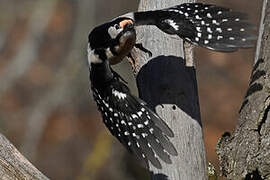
45,107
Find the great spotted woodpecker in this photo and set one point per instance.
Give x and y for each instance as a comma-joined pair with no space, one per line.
129,118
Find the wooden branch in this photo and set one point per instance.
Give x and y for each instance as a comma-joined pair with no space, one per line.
168,84
246,154
13,164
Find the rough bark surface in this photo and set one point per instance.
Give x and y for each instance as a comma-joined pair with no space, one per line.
14,166
168,84
246,153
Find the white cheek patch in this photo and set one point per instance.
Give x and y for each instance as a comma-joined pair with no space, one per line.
92,57
114,32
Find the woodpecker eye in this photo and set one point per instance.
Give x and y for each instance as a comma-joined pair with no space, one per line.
117,26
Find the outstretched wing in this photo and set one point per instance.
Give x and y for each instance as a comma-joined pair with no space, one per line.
136,126
210,26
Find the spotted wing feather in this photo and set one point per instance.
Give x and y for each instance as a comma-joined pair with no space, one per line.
213,27
136,126
218,28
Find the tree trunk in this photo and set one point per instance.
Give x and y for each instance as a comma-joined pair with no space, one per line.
13,166
246,153
168,84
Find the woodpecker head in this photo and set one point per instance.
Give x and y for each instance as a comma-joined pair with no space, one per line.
111,41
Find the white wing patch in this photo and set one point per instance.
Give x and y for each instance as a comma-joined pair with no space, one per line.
172,23
118,94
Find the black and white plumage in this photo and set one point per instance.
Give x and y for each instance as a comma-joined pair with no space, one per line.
127,117
213,27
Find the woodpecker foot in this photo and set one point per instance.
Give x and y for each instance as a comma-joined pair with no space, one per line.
140,47
132,61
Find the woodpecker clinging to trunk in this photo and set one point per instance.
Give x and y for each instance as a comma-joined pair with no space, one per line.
127,117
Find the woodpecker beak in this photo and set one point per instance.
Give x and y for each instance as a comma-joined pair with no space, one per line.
128,33
126,23
128,27
128,30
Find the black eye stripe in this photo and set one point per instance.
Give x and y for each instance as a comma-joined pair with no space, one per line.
117,26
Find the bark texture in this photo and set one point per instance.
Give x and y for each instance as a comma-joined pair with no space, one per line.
14,166
168,84
246,153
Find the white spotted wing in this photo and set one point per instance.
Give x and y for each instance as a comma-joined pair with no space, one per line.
216,28
135,125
